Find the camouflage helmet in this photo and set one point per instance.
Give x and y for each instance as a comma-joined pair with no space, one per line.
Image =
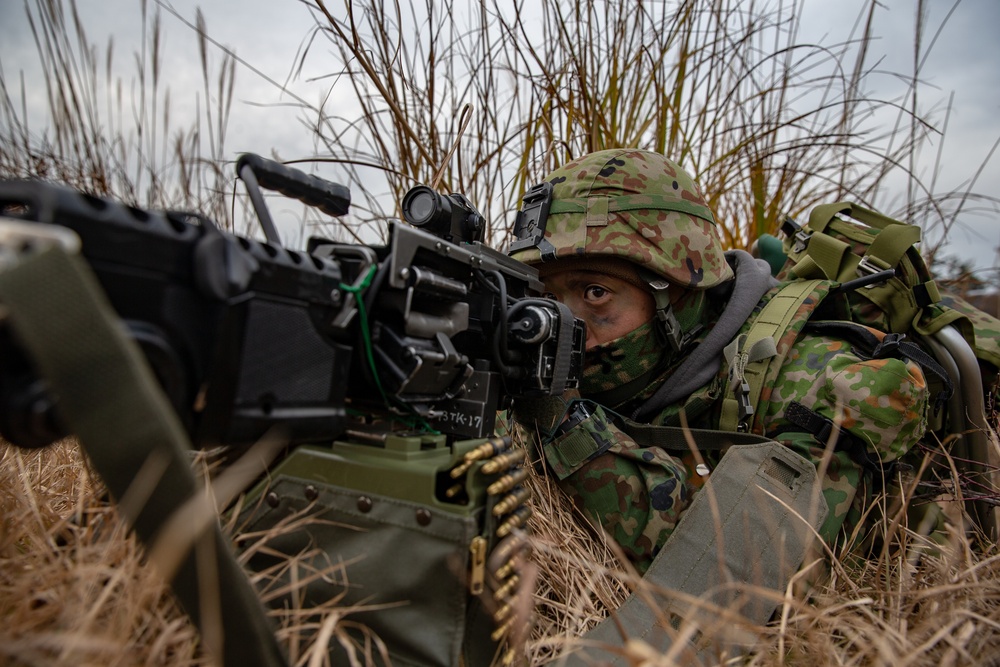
636,205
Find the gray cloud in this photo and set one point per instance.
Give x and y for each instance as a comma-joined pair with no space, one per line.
965,62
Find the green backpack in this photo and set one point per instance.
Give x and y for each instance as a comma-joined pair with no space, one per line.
884,283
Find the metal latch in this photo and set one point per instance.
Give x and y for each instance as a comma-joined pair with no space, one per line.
870,267
477,555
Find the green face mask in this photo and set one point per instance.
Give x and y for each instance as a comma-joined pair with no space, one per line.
621,362
619,370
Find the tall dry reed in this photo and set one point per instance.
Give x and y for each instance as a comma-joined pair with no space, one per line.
485,100
115,137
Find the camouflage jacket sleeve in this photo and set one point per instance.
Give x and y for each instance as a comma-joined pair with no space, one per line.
880,403
635,493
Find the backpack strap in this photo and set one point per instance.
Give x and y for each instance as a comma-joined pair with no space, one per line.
680,440
834,258
821,216
809,421
751,356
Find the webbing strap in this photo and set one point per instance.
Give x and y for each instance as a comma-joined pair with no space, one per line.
890,244
678,439
822,215
735,549
624,203
886,244
109,398
772,322
828,254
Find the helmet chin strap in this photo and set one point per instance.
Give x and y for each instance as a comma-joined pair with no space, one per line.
667,328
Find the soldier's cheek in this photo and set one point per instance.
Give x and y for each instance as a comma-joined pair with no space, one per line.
601,329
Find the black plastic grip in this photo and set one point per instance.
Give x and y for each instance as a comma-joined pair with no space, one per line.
331,198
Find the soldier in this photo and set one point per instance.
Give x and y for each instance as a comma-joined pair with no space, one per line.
631,247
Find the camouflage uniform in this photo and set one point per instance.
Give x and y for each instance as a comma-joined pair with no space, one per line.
641,207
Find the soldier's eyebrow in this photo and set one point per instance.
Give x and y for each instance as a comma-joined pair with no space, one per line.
583,278
590,274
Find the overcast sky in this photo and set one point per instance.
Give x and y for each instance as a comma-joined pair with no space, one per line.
267,34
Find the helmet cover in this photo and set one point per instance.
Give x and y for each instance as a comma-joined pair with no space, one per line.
635,205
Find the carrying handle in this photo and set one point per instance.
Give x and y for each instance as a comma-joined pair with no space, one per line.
259,172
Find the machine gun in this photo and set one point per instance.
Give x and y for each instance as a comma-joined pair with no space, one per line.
381,367
432,328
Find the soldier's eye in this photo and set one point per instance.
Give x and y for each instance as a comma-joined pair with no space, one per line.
595,292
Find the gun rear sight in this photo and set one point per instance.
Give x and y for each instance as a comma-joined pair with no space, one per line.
450,217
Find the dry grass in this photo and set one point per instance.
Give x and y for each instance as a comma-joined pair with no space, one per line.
73,586
944,611
580,575
115,137
486,101
75,589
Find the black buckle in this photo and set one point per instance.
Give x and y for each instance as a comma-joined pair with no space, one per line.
578,413
789,227
745,408
889,346
796,232
529,226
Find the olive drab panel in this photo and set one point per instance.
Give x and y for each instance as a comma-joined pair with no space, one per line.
735,549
